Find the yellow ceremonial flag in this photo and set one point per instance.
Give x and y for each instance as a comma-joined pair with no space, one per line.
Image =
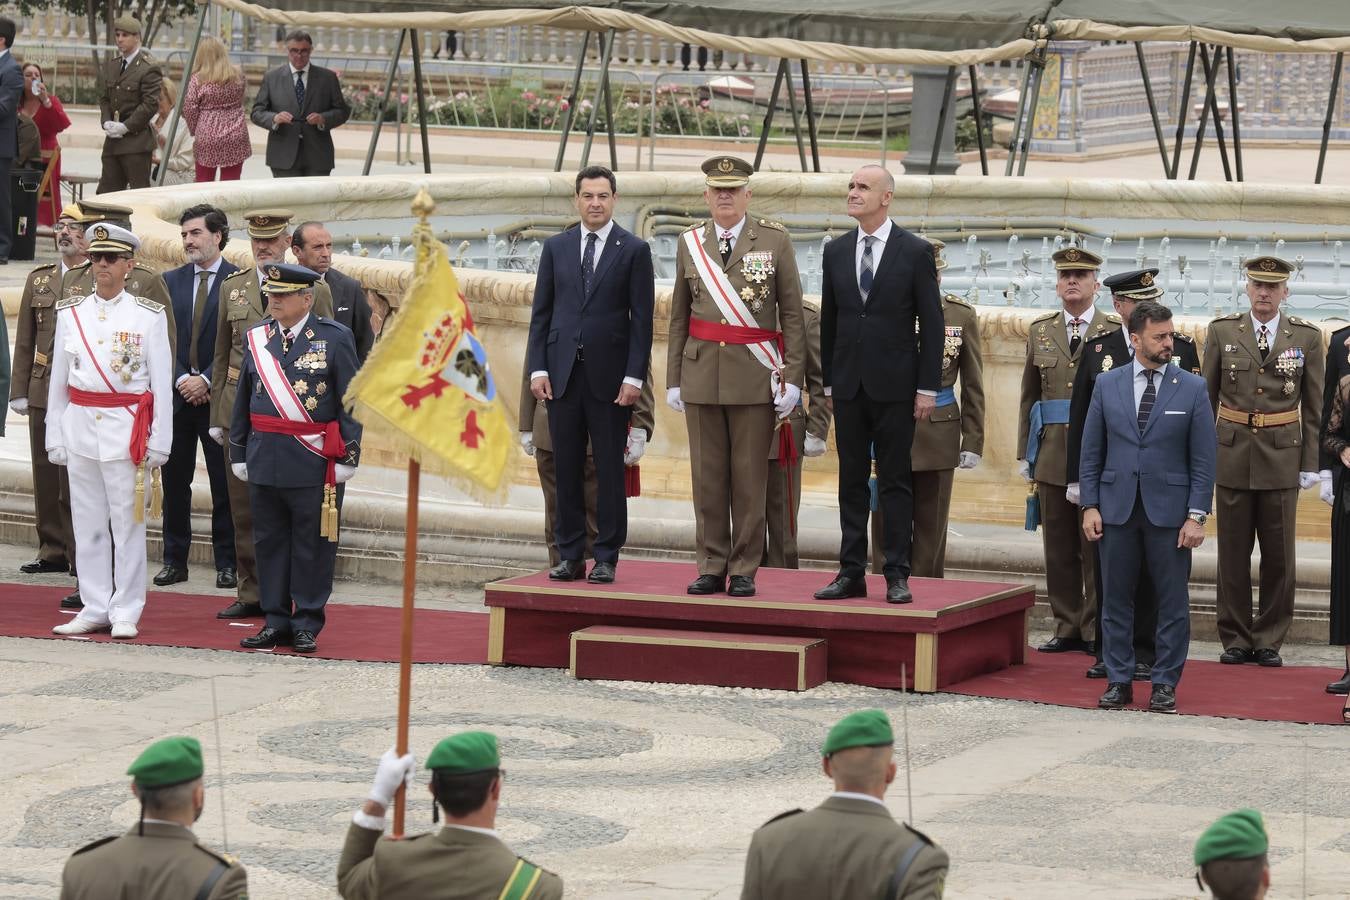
428,386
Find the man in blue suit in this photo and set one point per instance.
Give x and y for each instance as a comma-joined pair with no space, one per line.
589,349
11,96
1147,482
195,291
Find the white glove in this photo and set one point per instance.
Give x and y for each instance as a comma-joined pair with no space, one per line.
787,401
637,445
57,456
19,405
1327,494
394,770
527,442
154,459
1071,493
968,460
1308,479
240,471
813,445
218,435
673,400
115,129
1024,469
343,474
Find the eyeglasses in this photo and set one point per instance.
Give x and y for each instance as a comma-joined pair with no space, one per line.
69,226
108,257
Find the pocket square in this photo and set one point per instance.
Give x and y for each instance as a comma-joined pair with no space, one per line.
1174,412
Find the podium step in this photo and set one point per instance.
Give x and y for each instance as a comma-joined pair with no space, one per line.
672,656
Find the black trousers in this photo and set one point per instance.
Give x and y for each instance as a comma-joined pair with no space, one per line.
6,208
861,425
573,418
192,426
295,564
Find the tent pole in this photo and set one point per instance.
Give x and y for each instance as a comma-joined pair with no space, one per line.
1152,105
182,95
979,127
942,118
608,48
1233,112
572,101
768,114
384,101
1204,114
609,122
1181,113
810,117
1213,100
421,99
1331,109
796,118
1039,63
1017,122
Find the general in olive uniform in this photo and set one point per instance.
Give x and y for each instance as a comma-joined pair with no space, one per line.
130,101
1054,348
159,858
1264,370
736,362
466,859
850,846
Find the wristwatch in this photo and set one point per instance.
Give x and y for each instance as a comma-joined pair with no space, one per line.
1198,518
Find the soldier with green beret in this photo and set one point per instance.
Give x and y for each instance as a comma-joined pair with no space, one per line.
158,859
466,859
850,846
1231,857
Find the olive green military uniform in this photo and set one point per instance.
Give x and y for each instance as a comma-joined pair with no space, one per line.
728,404
165,863
1048,374
142,282
132,98
782,504
450,864
1260,458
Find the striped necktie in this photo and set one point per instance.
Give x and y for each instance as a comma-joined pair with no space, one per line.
865,272
1146,401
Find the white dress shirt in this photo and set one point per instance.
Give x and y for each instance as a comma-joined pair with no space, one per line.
1141,381
735,231
853,795
882,233
1083,321
1271,327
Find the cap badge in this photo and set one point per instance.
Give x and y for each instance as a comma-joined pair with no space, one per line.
1073,254
273,273
725,165
1146,279
100,233
1267,265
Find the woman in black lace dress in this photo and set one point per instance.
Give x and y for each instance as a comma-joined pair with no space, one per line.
1336,440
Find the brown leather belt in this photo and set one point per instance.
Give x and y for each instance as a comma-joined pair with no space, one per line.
1256,419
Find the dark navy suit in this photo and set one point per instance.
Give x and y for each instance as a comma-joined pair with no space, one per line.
11,98
192,425
351,308
588,342
286,478
1144,485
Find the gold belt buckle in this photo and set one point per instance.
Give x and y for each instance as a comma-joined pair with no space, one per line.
1258,420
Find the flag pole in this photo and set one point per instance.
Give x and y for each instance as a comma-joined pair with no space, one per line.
406,641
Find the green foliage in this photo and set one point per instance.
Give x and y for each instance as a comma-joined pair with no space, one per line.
965,133
151,13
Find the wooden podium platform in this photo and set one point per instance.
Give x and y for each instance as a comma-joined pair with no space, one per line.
953,630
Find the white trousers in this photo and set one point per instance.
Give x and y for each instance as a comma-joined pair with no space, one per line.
110,543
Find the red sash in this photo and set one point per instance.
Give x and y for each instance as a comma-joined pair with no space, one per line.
733,334
333,446
142,414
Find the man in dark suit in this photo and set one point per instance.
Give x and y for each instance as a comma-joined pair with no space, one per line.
880,374
313,247
131,84
11,96
1147,483
298,104
589,349
195,289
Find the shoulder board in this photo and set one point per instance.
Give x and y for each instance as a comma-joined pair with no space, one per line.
959,301
769,223
78,266
1112,317
98,843
227,858
1230,317
782,815
152,305
926,839
68,302
44,267
1178,336
813,305
1047,317
145,268
236,273
697,225
1295,320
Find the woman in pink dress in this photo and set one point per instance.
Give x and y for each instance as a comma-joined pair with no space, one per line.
214,111
46,112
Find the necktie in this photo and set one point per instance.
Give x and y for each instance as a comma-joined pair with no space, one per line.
1075,339
286,342
300,89
1146,402
588,263
865,273
198,309
1263,342
724,245
124,65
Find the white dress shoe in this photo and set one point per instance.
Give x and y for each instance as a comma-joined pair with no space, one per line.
124,630
79,626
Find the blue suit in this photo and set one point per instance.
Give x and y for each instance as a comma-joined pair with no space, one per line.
589,342
1144,485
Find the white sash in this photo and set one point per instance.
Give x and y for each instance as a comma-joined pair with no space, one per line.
728,301
278,388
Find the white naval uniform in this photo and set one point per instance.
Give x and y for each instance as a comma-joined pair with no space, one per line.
97,441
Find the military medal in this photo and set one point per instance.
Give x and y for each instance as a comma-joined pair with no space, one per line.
757,266
301,387
1108,363
747,293
311,404
951,345
321,388
1288,388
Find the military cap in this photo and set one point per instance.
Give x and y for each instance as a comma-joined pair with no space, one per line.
938,246
1270,269
72,211
1238,835
865,728
284,278
1076,259
97,211
267,223
465,753
727,172
105,237
129,24
165,763
1141,284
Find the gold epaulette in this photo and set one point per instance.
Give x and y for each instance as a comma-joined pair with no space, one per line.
152,305
68,302
1045,318
769,223
1229,317
1112,317
959,301
1295,320
236,273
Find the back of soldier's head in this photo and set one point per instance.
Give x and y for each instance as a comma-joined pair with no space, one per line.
861,769
1236,879
1231,855
463,769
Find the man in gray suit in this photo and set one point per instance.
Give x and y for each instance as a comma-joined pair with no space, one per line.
1147,483
313,247
299,104
11,95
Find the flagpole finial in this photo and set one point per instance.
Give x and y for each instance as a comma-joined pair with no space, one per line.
422,205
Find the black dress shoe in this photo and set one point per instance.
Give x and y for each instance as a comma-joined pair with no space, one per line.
1143,672
1090,648
240,610
43,567
171,575
72,601
1235,656
226,577
568,570
1340,687
1062,645
741,586
267,638
1118,696
304,642
842,588
601,573
1268,657
1164,699
897,590
706,584
1098,670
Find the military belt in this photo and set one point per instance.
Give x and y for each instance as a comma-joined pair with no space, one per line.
1256,419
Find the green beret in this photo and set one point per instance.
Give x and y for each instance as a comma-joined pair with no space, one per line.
168,762
1238,835
463,754
865,728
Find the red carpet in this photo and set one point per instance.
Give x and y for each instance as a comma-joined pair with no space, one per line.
353,632
1208,688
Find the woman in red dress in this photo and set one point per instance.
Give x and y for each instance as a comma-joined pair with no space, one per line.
46,111
214,111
